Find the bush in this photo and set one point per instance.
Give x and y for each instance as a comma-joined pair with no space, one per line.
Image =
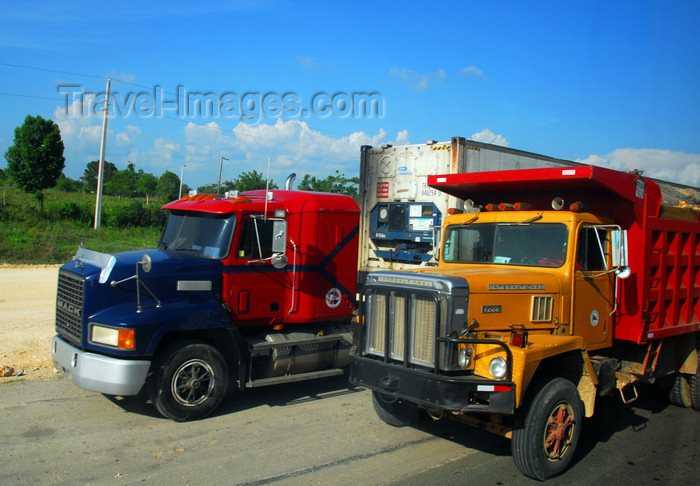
73,211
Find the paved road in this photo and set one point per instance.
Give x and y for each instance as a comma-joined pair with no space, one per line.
319,432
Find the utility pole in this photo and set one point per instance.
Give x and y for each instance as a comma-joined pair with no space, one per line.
218,186
100,171
182,171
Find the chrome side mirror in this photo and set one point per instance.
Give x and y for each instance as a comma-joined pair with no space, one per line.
146,262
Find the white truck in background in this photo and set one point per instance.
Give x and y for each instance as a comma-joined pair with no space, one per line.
400,212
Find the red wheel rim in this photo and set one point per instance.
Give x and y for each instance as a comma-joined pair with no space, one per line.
559,431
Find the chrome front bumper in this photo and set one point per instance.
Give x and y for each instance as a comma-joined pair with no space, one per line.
96,372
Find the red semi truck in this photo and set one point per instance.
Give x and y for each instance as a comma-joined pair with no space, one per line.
242,291
554,286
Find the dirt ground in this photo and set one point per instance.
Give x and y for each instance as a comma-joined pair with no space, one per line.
27,311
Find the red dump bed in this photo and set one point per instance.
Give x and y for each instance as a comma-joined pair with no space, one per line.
662,296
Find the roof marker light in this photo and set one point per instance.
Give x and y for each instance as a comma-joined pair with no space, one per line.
577,207
490,207
521,205
505,207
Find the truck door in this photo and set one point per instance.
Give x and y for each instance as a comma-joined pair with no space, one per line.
257,290
593,287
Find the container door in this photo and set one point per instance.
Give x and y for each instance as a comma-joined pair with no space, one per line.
593,288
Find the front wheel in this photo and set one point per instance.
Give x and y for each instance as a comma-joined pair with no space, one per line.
547,429
394,411
190,383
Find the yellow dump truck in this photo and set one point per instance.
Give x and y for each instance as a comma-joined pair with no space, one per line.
554,286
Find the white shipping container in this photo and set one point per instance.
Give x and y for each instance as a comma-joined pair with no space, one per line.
401,214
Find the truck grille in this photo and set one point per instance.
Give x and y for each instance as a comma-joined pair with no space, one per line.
69,307
409,319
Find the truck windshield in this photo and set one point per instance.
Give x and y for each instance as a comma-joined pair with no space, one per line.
202,234
534,244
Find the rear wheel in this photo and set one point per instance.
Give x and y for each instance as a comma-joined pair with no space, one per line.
190,383
547,429
695,383
679,392
396,412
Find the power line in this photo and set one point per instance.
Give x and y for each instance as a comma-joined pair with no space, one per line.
92,76
51,70
30,96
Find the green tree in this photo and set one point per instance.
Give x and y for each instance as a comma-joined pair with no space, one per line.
122,182
246,181
250,181
168,186
66,184
147,184
92,170
35,159
338,184
210,188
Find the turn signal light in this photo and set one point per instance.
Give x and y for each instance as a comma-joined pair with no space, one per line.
126,339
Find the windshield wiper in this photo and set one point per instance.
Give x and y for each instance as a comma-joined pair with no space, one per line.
190,251
529,220
467,223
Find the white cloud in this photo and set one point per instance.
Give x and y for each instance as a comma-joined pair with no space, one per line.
307,61
418,81
294,146
311,63
166,153
125,77
470,71
680,167
487,136
402,138
129,137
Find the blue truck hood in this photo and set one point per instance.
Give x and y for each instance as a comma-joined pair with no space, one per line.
173,277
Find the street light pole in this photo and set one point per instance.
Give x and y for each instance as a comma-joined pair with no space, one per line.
218,186
182,171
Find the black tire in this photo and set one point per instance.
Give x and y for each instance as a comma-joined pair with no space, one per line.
190,382
695,383
679,390
547,429
396,412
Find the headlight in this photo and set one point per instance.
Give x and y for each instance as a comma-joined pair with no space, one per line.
109,336
498,367
464,358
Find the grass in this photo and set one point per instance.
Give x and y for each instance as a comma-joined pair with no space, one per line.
30,236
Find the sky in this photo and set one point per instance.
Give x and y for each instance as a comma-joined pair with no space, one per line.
198,87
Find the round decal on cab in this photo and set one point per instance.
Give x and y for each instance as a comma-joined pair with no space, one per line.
333,298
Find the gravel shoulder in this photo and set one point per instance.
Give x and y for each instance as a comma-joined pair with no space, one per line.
27,311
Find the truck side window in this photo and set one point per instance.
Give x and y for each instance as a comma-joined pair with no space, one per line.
248,245
589,256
